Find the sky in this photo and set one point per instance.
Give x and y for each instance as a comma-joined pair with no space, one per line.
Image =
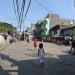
64,8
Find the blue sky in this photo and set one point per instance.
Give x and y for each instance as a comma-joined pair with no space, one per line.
64,8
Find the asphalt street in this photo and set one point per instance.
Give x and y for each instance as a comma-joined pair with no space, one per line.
21,59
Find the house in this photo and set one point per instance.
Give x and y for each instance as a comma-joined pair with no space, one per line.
52,26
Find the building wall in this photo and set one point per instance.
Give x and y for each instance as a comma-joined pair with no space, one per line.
54,20
33,26
43,27
47,26
65,22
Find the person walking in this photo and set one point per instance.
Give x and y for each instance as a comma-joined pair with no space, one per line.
41,54
28,39
73,47
35,44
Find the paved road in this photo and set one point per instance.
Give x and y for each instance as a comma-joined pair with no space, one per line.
21,59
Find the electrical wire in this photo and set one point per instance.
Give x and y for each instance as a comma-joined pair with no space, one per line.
14,9
42,5
17,5
20,13
22,9
27,9
22,21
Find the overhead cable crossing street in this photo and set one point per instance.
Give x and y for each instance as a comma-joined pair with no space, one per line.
19,8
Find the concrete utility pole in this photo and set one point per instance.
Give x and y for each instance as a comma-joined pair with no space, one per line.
24,35
74,3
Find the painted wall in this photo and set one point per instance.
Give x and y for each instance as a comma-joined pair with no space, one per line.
47,26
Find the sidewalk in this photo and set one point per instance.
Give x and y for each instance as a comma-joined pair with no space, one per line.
4,45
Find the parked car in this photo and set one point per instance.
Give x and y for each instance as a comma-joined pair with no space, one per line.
13,39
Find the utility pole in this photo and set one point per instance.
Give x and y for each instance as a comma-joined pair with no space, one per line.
74,3
24,30
24,34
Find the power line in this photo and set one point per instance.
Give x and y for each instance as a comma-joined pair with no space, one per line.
19,12
27,9
22,10
14,9
17,5
41,5
22,13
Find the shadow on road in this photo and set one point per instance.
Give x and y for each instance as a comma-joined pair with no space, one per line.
3,72
63,65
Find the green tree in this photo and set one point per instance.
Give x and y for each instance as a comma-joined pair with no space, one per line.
6,27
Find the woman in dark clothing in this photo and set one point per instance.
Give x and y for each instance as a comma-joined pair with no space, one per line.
73,47
28,40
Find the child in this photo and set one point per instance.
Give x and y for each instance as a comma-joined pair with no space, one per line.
41,54
35,44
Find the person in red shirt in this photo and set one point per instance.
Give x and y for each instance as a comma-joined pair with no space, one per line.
35,44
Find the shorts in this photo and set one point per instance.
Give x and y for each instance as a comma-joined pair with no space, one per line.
35,45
